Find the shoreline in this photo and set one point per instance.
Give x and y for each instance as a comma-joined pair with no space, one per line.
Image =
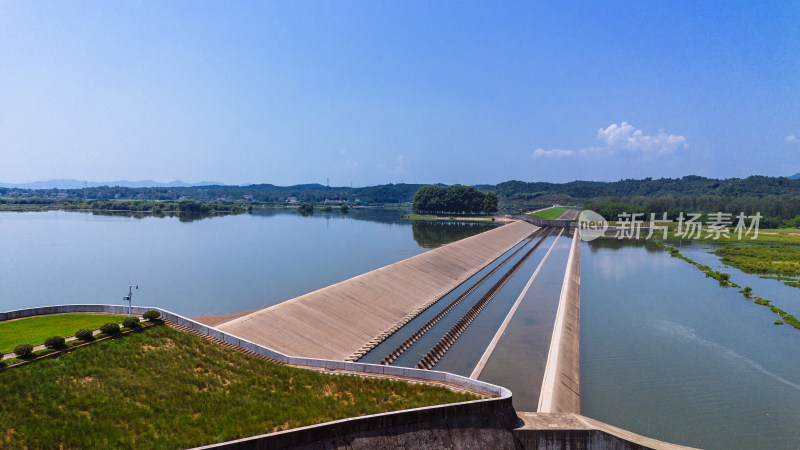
435,218
213,320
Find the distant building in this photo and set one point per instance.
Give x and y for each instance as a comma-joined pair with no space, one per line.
357,200
61,194
139,195
220,199
335,201
291,200
116,196
248,197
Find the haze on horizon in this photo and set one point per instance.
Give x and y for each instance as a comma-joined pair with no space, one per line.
370,93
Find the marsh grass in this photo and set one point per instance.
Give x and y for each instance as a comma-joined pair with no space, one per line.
724,279
762,259
34,330
160,388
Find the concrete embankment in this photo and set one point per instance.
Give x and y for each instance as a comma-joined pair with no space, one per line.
565,431
345,319
561,388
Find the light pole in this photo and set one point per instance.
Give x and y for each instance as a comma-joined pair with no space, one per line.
129,296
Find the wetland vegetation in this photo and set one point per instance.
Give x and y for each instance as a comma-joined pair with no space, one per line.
724,280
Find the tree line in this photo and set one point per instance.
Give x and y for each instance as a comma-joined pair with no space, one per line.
774,197
453,200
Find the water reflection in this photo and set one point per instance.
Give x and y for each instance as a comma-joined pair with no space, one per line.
433,234
194,266
616,244
181,216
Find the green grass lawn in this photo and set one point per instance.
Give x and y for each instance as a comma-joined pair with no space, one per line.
550,213
34,330
161,388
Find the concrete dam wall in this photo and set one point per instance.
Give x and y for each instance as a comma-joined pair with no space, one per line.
344,320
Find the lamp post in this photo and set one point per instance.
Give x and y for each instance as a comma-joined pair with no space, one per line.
130,296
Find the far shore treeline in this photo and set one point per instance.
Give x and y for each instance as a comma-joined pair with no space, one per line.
776,198
453,200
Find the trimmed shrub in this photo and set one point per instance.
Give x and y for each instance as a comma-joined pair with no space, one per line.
54,342
84,334
23,350
151,315
109,328
130,322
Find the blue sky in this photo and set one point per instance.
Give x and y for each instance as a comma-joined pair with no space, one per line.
377,92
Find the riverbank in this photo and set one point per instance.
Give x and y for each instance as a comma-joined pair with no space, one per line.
438,218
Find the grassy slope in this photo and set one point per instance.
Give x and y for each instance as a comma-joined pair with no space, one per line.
34,330
550,213
161,388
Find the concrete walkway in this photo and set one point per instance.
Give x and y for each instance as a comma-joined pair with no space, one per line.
337,321
561,384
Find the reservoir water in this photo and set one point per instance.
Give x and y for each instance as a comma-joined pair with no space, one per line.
200,267
668,353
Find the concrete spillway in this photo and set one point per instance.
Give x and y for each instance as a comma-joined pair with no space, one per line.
341,320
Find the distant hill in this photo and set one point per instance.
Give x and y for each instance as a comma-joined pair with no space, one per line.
795,176
78,184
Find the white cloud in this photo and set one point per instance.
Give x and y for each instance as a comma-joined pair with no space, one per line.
792,139
556,152
625,136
